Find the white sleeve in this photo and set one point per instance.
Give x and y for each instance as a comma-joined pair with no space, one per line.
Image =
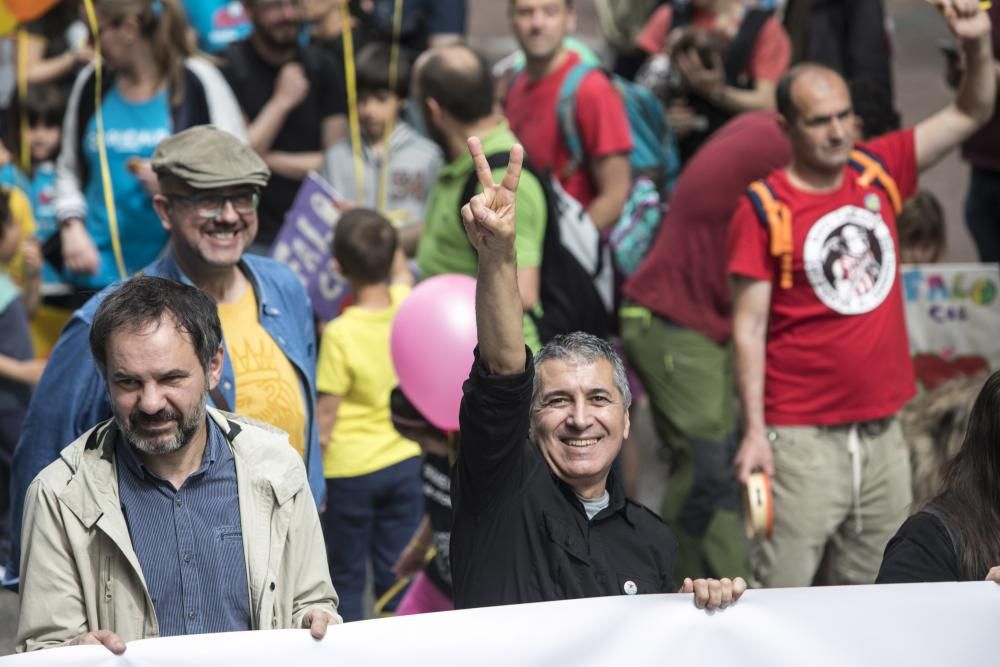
69,199
223,109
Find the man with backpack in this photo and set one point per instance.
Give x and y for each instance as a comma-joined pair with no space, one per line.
455,92
563,274
822,358
602,179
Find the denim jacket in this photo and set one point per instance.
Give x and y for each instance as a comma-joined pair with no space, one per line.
71,396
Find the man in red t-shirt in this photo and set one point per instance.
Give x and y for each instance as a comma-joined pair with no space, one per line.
675,327
602,184
822,357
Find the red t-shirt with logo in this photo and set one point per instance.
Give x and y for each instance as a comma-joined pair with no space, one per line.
837,349
600,118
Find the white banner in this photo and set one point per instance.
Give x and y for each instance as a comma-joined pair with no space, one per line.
953,319
912,625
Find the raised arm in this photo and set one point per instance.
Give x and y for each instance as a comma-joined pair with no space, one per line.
489,220
973,104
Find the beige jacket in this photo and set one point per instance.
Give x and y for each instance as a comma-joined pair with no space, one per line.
79,571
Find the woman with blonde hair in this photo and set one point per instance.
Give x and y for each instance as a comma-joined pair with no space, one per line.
152,85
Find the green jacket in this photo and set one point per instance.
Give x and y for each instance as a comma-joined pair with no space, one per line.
80,573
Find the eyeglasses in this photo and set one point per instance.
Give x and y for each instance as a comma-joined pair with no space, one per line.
210,206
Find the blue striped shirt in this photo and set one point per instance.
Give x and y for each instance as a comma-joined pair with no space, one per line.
189,541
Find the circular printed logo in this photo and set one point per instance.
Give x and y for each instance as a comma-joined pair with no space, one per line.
850,260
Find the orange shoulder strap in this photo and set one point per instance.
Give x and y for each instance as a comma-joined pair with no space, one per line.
872,171
778,218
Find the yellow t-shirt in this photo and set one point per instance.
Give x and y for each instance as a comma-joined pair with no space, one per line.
267,385
355,364
20,213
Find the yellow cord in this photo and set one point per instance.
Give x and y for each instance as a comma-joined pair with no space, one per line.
985,5
397,25
109,195
22,95
379,607
350,74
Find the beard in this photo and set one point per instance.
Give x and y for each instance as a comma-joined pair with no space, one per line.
187,426
281,37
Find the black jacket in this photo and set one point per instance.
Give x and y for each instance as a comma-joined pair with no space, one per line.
520,534
922,550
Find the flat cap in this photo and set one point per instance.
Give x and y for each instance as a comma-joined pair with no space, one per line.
206,157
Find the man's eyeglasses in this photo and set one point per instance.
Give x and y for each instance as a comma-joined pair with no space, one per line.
209,206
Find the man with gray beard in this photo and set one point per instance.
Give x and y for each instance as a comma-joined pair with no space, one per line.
171,517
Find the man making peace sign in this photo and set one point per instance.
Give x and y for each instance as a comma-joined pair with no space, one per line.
539,513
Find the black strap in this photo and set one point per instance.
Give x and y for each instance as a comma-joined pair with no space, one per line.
742,45
682,11
797,15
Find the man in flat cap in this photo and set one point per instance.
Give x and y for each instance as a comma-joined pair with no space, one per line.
209,184
170,518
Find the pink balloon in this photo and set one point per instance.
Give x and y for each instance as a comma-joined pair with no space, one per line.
432,343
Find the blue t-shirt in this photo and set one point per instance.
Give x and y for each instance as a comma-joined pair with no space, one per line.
218,23
131,130
43,195
14,177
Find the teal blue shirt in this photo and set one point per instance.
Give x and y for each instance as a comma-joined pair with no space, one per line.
131,130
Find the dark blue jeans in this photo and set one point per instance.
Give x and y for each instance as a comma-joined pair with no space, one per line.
982,212
370,518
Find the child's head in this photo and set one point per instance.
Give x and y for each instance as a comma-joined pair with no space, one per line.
45,106
10,235
412,425
921,229
364,246
378,99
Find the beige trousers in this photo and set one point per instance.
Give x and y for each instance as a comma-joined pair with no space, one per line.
840,493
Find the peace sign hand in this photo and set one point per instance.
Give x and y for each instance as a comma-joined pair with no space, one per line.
489,217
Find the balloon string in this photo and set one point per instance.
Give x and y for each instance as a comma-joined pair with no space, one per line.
350,74
102,152
397,24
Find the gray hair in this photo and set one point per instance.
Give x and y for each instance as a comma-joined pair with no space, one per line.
580,346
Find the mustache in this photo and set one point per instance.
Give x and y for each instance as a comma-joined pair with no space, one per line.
155,418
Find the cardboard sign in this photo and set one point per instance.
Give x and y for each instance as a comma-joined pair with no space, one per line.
953,319
305,245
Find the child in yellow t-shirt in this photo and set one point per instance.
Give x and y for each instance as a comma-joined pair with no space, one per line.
374,491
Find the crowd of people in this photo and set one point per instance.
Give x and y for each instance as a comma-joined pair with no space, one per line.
189,448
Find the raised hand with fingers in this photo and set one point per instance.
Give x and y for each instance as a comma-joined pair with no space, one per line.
489,217
491,226
966,18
